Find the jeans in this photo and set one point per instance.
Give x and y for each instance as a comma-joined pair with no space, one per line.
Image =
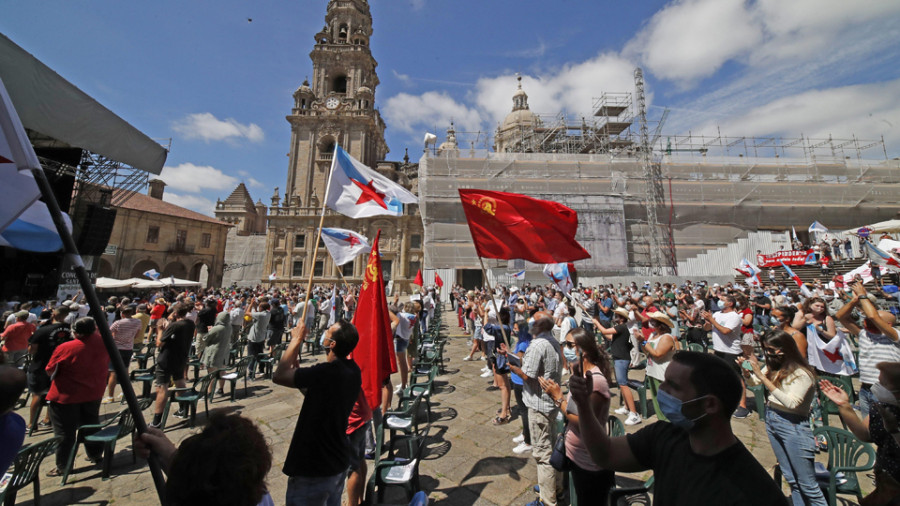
762,321
866,399
523,412
253,350
621,369
315,491
795,449
66,418
543,435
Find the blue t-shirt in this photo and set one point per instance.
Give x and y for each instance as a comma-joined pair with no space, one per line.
521,345
12,435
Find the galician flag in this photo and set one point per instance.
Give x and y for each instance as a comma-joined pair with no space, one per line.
25,222
152,274
880,257
559,274
834,356
751,271
519,275
344,245
357,191
817,227
272,276
805,291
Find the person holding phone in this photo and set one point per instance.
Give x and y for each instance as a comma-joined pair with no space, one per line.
590,480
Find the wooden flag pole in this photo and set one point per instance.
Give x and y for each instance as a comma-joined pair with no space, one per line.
493,302
312,266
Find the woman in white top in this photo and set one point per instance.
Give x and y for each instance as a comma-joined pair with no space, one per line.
659,347
791,384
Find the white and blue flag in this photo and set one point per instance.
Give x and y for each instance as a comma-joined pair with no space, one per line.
344,245
152,274
358,192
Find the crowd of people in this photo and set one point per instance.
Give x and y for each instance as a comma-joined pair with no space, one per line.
535,342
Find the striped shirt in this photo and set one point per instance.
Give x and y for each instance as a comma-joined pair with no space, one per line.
542,359
875,348
124,331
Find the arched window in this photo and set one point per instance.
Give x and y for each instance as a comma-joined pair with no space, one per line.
340,84
342,34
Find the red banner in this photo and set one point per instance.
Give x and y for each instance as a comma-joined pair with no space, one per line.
790,257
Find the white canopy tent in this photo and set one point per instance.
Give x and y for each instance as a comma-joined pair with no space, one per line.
162,283
51,105
111,283
889,226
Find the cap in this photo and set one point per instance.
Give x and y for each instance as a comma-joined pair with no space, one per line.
22,314
514,289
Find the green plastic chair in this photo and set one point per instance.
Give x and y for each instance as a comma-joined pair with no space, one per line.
402,472
405,420
26,469
827,406
615,427
146,353
618,493
418,387
759,395
114,429
844,453
145,377
189,396
233,374
695,347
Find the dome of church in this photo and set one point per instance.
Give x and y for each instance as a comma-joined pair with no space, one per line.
304,88
520,115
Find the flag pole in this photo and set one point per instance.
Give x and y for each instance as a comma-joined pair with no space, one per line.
71,251
312,266
493,302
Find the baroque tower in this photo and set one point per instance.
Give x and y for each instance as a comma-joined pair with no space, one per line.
336,106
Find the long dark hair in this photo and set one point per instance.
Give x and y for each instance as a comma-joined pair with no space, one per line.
591,351
793,360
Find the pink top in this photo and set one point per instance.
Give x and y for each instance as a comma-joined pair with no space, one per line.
575,449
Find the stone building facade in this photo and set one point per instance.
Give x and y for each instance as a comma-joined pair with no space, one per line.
152,234
338,108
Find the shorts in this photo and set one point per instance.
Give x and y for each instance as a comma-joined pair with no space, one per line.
126,359
400,345
165,376
38,382
479,334
748,339
621,367
358,445
274,336
730,358
489,347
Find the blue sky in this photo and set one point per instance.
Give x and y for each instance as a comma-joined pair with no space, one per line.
219,85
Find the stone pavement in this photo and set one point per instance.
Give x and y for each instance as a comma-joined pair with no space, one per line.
469,461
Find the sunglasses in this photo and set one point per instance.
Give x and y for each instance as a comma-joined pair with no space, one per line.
570,344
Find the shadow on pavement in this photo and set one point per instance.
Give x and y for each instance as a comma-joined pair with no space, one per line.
496,466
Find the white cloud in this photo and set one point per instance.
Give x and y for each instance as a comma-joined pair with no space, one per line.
193,202
254,183
207,127
415,113
689,40
403,78
195,178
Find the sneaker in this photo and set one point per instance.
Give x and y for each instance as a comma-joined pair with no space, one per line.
468,359
107,400
220,393
622,410
181,413
487,374
483,358
741,412
154,425
522,448
633,419
398,389
518,439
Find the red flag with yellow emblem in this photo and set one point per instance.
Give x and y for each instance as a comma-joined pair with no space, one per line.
375,352
510,226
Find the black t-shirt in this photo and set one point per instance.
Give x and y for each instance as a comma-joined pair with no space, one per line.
731,477
206,318
320,446
620,348
46,337
176,345
763,300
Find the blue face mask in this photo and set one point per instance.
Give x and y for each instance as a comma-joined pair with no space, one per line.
671,407
720,304
570,354
774,320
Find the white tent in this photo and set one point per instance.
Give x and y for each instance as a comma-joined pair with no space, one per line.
162,283
109,283
889,226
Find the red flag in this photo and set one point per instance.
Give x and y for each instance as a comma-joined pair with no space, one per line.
511,226
375,352
438,281
419,281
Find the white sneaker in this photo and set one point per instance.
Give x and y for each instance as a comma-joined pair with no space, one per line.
487,374
522,448
623,410
485,369
483,358
398,389
633,419
518,439
468,359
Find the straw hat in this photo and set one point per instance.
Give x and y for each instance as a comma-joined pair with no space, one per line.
662,318
621,311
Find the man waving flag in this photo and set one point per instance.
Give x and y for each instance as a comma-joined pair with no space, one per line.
344,245
357,191
880,257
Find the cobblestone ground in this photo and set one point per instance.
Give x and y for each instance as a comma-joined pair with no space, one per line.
469,461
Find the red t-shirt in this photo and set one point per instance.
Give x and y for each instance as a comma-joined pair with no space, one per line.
78,369
158,311
360,414
746,329
645,326
15,337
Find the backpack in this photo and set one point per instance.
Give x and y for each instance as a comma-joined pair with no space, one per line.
277,317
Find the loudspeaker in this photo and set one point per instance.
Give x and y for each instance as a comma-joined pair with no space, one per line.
95,232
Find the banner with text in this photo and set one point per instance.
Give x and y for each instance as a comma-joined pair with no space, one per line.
791,257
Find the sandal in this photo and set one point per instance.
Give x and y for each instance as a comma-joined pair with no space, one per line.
501,420
54,473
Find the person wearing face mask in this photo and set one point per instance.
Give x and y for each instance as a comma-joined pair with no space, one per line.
791,383
878,341
543,358
590,481
660,347
695,457
647,307
880,427
693,322
725,325
781,319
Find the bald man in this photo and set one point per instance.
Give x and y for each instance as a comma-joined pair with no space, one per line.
878,341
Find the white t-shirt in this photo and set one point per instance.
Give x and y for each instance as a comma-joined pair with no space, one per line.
404,325
731,342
